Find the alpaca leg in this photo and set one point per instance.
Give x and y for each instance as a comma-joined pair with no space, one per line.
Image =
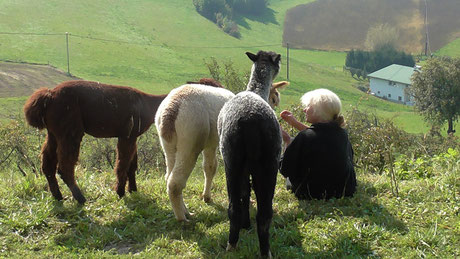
49,164
170,157
132,187
210,168
68,150
264,182
245,198
126,149
235,207
177,181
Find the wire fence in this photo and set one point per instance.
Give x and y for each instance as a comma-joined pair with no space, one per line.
68,35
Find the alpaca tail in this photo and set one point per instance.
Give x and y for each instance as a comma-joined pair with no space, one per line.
35,108
168,121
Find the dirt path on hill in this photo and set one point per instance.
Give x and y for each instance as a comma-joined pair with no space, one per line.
21,79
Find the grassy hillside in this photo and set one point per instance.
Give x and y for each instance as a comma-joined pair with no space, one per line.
135,43
452,49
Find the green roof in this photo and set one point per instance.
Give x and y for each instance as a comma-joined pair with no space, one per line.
395,73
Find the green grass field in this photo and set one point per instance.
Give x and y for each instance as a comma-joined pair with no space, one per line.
452,49
421,222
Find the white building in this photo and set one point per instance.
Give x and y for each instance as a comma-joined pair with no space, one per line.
392,83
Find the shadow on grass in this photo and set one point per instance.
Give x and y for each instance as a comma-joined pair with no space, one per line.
140,221
362,205
137,223
266,16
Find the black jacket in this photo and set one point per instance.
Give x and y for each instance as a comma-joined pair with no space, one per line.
319,163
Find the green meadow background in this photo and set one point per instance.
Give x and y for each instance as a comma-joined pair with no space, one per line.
158,45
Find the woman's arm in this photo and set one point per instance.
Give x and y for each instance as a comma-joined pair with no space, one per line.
291,120
286,138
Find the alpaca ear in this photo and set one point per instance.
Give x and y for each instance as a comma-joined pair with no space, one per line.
251,56
276,59
280,85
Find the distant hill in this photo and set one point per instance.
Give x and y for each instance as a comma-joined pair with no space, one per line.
19,79
343,25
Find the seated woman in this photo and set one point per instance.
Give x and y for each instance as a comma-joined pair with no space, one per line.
319,160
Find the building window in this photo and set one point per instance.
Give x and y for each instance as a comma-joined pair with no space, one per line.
399,98
378,92
389,95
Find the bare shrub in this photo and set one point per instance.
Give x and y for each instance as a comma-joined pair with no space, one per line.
226,73
381,35
20,147
100,153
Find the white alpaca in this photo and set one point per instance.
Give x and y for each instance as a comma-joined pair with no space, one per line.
186,122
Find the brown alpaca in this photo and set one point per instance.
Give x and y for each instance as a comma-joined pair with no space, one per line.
207,81
74,108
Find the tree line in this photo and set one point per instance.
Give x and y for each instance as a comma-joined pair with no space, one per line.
362,63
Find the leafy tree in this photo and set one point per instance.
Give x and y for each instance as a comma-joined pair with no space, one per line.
436,91
209,8
350,58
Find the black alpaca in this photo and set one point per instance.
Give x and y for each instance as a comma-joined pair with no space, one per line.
250,143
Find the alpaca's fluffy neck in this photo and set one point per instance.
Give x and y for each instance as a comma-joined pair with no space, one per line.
260,81
153,101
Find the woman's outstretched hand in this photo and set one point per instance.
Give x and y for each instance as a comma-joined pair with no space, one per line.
291,120
287,116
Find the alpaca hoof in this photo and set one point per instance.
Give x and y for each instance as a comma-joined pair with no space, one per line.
121,193
189,215
230,247
268,256
207,199
81,200
183,221
185,218
58,196
77,195
288,184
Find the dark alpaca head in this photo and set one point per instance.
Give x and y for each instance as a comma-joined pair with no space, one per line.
265,60
265,68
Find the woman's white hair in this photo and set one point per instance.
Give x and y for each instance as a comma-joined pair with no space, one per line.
325,103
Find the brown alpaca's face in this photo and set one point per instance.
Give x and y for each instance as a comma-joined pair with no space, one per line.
274,97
